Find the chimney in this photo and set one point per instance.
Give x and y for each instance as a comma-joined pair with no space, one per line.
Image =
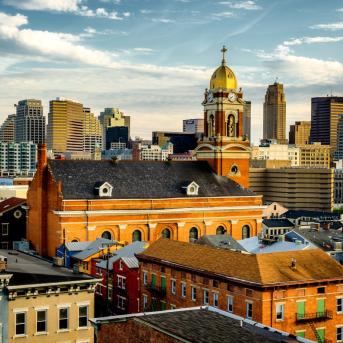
294,264
42,156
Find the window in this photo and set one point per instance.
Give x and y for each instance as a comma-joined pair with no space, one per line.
145,301
106,235
121,301
249,310
249,292
230,303
183,290
220,230
83,316
280,310
63,322
245,232
215,299
339,305
339,334
166,233
121,281
4,229
110,293
321,290
120,264
136,236
173,286
215,283
145,278
20,323
205,297
41,321
194,294
193,234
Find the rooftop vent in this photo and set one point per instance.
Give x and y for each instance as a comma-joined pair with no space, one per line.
103,189
294,264
192,188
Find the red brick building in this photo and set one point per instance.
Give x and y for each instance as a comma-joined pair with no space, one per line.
300,292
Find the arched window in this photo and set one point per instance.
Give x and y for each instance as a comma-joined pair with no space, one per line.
74,240
193,234
245,231
107,235
136,236
220,230
166,233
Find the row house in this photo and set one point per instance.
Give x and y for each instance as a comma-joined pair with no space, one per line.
300,292
118,293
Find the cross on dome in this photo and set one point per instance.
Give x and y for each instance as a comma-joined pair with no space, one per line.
224,50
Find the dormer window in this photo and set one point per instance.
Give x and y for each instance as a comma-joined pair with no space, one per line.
103,189
192,188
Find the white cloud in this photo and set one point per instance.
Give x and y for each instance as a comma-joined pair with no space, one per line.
331,26
312,40
245,5
163,20
222,15
145,50
76,7
91,32
339,9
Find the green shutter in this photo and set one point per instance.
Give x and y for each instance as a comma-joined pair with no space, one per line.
163,283
163,306
300,334
320,305
154,304
321,334
153,280
301,309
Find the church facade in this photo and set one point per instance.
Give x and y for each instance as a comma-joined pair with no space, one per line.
144,200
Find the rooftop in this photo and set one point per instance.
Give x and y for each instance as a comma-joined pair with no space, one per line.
277,223
220,241
312,265
203,325
28,269
141,179
10,203
94,247
295,214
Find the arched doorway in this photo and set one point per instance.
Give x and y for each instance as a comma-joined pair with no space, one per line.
106,235
136,236
166,233
193,234
245,231
220,230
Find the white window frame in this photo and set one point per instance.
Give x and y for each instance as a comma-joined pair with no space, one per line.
3,226
145,301
282,307
206,295
247,305
121,281
339,299
46,321
110,293
24,323
145,278
183,290
173,286
59,318
121,302
230,303
215,298
120,264
339,327
79,317
194,293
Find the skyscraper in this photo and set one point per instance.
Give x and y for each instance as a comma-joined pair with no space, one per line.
274,113
247,120
339,148
30,122
92,131
193,125
66,126
7,129
112,117
324,119
299,133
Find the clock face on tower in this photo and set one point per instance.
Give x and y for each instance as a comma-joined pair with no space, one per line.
232,96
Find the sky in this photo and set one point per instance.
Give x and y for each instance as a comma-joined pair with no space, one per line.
153,59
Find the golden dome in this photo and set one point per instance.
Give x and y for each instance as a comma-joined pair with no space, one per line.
223,76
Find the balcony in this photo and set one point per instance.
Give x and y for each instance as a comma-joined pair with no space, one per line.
313,317
157,290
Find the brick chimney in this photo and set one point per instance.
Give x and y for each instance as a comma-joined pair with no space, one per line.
42,156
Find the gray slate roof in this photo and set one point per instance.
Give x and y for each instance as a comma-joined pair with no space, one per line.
276,222
94,247
141,179
131,261
220,241
127,251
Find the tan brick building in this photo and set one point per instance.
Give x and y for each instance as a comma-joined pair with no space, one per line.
299,133
300,292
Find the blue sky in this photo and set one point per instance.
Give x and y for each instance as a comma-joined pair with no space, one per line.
154,58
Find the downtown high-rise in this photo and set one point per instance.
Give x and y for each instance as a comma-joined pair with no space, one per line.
274,113
29,122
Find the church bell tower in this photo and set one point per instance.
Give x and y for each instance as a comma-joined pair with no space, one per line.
223,145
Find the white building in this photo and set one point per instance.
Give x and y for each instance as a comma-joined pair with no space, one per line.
282,152
18,158
155,152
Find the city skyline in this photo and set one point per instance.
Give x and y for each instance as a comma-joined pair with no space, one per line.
153,60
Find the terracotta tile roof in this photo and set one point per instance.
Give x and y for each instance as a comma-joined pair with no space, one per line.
263,269
11,203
